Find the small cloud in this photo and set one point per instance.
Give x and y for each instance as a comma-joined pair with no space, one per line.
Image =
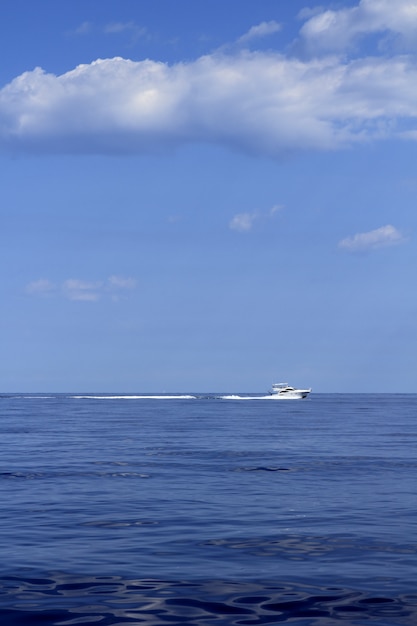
378,238
41,287
242,222
74,289
83,29
112,28
81,290
116,28
263,29
275,209
120,282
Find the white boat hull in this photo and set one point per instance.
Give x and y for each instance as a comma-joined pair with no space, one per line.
282,391
290,396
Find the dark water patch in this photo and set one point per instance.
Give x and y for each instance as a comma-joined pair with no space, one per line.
69,475
21,475
119,523
304,546
263,469
332,467
64,600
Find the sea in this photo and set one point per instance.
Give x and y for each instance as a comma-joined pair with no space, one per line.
208,510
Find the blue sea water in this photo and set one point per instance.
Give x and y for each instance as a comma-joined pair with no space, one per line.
208,511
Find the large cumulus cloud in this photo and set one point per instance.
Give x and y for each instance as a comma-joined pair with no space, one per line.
262,103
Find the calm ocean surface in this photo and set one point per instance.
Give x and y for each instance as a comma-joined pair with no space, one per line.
207,511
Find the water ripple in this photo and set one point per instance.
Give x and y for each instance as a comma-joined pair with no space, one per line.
64,600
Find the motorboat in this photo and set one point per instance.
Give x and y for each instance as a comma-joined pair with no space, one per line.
283,391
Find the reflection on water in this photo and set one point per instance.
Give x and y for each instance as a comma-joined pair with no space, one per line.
64,600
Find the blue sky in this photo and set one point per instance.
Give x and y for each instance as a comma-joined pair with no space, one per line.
208,196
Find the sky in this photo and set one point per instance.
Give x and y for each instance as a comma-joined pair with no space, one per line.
208,196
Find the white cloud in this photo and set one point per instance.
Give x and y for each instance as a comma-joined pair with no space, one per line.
120,282
276,209
81,290
74,289
378,238
118,27
264,29
42,287
242,222
335,30
112,28
83,29
257,102
115,28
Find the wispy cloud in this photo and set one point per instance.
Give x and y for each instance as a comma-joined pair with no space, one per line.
244,222
264,29
378,238
116,28
337,29
74,289
82,290
275,209
42,286
121,282
83,29
112,28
